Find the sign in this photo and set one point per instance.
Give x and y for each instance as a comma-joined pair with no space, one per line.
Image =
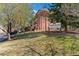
54,26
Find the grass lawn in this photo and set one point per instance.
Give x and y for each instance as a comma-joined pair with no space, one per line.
45,44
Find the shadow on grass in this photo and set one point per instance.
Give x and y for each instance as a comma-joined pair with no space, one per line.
29,35
57,35
62,35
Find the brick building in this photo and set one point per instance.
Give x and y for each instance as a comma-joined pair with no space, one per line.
41,22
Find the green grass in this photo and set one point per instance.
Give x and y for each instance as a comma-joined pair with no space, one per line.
40,43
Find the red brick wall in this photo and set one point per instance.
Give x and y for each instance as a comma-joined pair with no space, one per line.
42,24
41,21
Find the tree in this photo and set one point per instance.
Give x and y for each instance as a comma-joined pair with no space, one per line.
63,13
16,16
71,13
56,14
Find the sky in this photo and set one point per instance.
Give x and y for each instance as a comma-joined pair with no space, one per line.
38,6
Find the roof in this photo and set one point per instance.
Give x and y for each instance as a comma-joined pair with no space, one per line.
1,26
46,10
42,12
2,30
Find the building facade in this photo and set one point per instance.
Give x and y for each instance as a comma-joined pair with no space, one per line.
41,22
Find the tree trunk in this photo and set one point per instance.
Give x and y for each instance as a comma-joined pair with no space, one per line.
65,25
65,28
9,30
9,36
